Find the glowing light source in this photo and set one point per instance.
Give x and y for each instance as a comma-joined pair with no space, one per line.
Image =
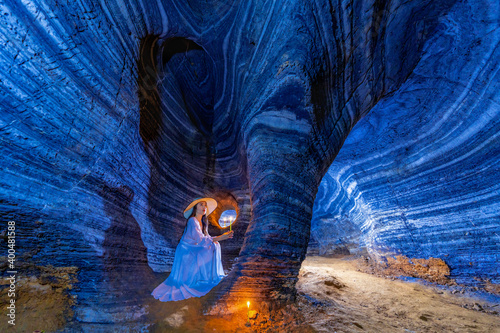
248,312
227,218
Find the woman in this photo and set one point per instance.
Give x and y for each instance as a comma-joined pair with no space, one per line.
197,266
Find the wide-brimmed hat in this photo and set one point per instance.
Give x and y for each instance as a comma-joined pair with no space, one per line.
211,205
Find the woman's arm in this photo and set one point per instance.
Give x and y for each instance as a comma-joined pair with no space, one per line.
224,236
194,235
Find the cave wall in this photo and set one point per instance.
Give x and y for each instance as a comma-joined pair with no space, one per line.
115,115
418,176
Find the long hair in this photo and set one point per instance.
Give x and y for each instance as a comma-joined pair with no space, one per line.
204,221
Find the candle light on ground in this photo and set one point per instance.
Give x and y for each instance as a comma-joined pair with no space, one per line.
248,312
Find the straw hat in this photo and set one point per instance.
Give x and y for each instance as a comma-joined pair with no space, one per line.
211,205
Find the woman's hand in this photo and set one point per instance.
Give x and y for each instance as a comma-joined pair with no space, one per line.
225,235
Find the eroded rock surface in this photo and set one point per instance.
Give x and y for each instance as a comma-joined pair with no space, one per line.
418,176
115,115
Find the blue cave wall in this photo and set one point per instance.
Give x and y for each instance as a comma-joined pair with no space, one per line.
115,114
419,175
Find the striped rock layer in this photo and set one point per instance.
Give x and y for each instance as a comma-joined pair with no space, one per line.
116,114
419,175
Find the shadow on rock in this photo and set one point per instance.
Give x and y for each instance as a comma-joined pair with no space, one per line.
125,257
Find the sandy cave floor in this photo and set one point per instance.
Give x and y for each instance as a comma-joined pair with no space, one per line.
335,296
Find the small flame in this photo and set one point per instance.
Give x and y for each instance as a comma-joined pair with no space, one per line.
248,304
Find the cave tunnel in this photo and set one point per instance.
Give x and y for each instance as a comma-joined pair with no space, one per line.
329,133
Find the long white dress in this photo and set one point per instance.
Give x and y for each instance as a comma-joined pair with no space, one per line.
197,266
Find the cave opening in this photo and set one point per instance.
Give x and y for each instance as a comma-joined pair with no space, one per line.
224,217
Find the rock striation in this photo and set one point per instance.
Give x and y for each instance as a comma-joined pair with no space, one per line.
115,115
418,176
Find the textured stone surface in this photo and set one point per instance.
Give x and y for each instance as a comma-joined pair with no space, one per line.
115,115
419,175
42,298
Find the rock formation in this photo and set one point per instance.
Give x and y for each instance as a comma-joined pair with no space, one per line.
418,175
116,114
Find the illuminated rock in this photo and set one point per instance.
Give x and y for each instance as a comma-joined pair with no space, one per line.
418,176
115,115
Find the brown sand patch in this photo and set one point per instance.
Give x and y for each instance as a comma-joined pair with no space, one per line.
42,298
492,287
432,269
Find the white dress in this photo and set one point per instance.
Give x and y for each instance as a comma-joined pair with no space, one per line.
197,266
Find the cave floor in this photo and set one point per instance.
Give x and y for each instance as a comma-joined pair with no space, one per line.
335,296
